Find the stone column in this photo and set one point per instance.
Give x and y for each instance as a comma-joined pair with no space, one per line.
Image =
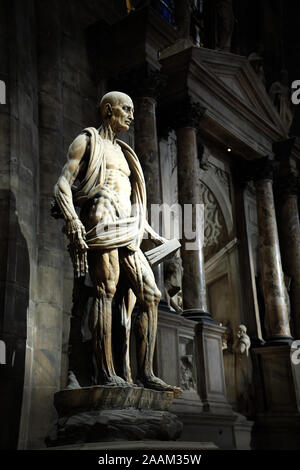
146,147
144,87
289,232
208,333
276,311
184,116
193,280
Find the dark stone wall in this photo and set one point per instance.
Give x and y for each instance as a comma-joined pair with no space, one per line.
51,97
14,300
18,205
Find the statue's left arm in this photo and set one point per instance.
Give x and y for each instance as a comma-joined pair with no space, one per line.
155,237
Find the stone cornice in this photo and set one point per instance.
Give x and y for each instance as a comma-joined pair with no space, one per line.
238,108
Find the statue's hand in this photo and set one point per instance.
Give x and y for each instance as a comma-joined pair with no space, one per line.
75,231
160,240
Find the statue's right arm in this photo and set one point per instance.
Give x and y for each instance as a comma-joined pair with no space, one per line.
63,192
62,189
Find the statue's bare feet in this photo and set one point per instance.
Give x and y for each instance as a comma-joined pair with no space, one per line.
154,383
116,381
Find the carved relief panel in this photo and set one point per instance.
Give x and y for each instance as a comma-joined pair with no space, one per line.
215,234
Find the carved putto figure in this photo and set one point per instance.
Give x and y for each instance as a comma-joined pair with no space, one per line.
256,62
172,276
242,342
280,94
104,179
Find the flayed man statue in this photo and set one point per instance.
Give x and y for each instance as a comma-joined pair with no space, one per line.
103,177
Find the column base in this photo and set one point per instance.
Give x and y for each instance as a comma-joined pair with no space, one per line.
198,315
210,367
278,340
226,431
277,388
276,431
257,342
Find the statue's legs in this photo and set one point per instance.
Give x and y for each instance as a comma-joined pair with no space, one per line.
104,273
124,303
142,282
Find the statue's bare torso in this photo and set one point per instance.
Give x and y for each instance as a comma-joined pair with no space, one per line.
116,187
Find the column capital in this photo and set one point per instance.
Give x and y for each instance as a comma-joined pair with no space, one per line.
187,113
254,170
283,148
262,169
287,184
141,82
179,114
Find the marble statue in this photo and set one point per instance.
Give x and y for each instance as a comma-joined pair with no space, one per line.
187,372
280,94
242,342
103,178
227,337
172,277
256,62
224,24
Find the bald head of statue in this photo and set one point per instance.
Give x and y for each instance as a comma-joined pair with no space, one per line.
117,111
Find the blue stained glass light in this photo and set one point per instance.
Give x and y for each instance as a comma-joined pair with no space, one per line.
166,9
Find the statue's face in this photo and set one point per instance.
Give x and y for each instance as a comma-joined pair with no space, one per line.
122,115
240,332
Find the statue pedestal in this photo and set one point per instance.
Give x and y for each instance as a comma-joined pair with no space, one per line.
102,413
